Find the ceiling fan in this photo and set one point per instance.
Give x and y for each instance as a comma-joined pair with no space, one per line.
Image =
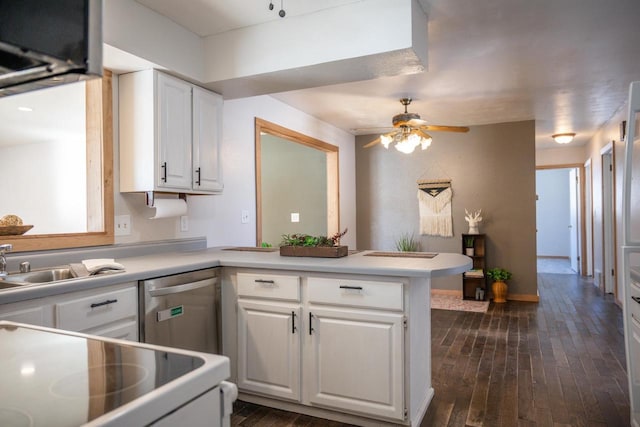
410,131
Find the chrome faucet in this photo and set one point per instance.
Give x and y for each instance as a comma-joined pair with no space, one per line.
7,247
25,267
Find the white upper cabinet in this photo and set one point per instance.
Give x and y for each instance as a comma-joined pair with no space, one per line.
173,126
170,133
207,134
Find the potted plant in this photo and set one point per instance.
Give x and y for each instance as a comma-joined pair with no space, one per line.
468,245
313,246
407,243
499,286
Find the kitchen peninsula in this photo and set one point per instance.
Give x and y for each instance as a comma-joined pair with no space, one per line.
339,338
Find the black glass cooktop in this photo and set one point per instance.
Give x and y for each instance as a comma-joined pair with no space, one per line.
53,379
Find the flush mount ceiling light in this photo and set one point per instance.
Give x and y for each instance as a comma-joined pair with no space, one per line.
409,131
563,138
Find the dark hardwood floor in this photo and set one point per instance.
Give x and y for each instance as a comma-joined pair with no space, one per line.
557,363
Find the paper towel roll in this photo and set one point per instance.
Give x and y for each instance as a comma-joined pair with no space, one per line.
167,208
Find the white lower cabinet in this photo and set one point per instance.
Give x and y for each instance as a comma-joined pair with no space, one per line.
338,348
110,311
269,348
25,313
355,361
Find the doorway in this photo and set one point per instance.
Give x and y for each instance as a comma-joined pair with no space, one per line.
560,219
296,184
608,283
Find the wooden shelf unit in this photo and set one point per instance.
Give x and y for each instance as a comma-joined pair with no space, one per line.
469,284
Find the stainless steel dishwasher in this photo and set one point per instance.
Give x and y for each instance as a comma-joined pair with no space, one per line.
182,311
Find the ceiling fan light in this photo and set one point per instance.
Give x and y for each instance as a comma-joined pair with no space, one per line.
405,146
426,142
563,138
386,140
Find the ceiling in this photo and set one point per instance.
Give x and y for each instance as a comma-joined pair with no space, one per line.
565,64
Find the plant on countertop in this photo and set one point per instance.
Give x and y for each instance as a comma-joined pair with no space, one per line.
266,245
498,274
311,241
407,243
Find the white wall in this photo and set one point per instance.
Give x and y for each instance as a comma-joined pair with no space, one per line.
50,190
562,155
609,133
139,31
218,217
553,212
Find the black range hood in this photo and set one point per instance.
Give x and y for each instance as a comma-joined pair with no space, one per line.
46,43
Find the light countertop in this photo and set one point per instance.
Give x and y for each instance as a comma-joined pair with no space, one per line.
157,265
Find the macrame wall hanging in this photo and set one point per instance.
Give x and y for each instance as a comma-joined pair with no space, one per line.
434,204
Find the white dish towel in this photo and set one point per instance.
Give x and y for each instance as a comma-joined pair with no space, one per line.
99,265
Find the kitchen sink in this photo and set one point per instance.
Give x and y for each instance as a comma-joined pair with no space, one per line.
38,276
8,285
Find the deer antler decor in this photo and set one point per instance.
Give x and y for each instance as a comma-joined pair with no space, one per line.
473,220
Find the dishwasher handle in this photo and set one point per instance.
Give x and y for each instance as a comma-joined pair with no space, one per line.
170,290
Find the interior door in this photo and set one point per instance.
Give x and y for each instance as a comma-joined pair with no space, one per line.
608,270
573,219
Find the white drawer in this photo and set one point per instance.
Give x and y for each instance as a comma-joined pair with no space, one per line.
127,330
634,303
356,293
271,286
80,314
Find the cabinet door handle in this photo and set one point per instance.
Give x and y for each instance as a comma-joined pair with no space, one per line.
636,299
198,179
311,323
271,282
100,304
164,171
357,288
293,322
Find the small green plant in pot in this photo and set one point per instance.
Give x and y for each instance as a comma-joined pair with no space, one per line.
499,286
469,245
407,243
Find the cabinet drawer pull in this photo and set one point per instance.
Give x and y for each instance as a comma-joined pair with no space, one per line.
636,299
100,304
310,323
356,288
269,282
293,322
198,179
164,171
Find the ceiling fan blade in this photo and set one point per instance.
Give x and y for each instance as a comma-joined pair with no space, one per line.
372,130
378,139
372,143
445,128
416,122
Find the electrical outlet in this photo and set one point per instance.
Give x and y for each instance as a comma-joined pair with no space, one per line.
122,225
184,223
295,217
244,218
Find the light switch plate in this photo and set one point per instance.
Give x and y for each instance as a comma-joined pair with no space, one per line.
295,217
122,226
184,223
244,218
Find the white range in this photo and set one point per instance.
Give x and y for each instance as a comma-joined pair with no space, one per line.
57,378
